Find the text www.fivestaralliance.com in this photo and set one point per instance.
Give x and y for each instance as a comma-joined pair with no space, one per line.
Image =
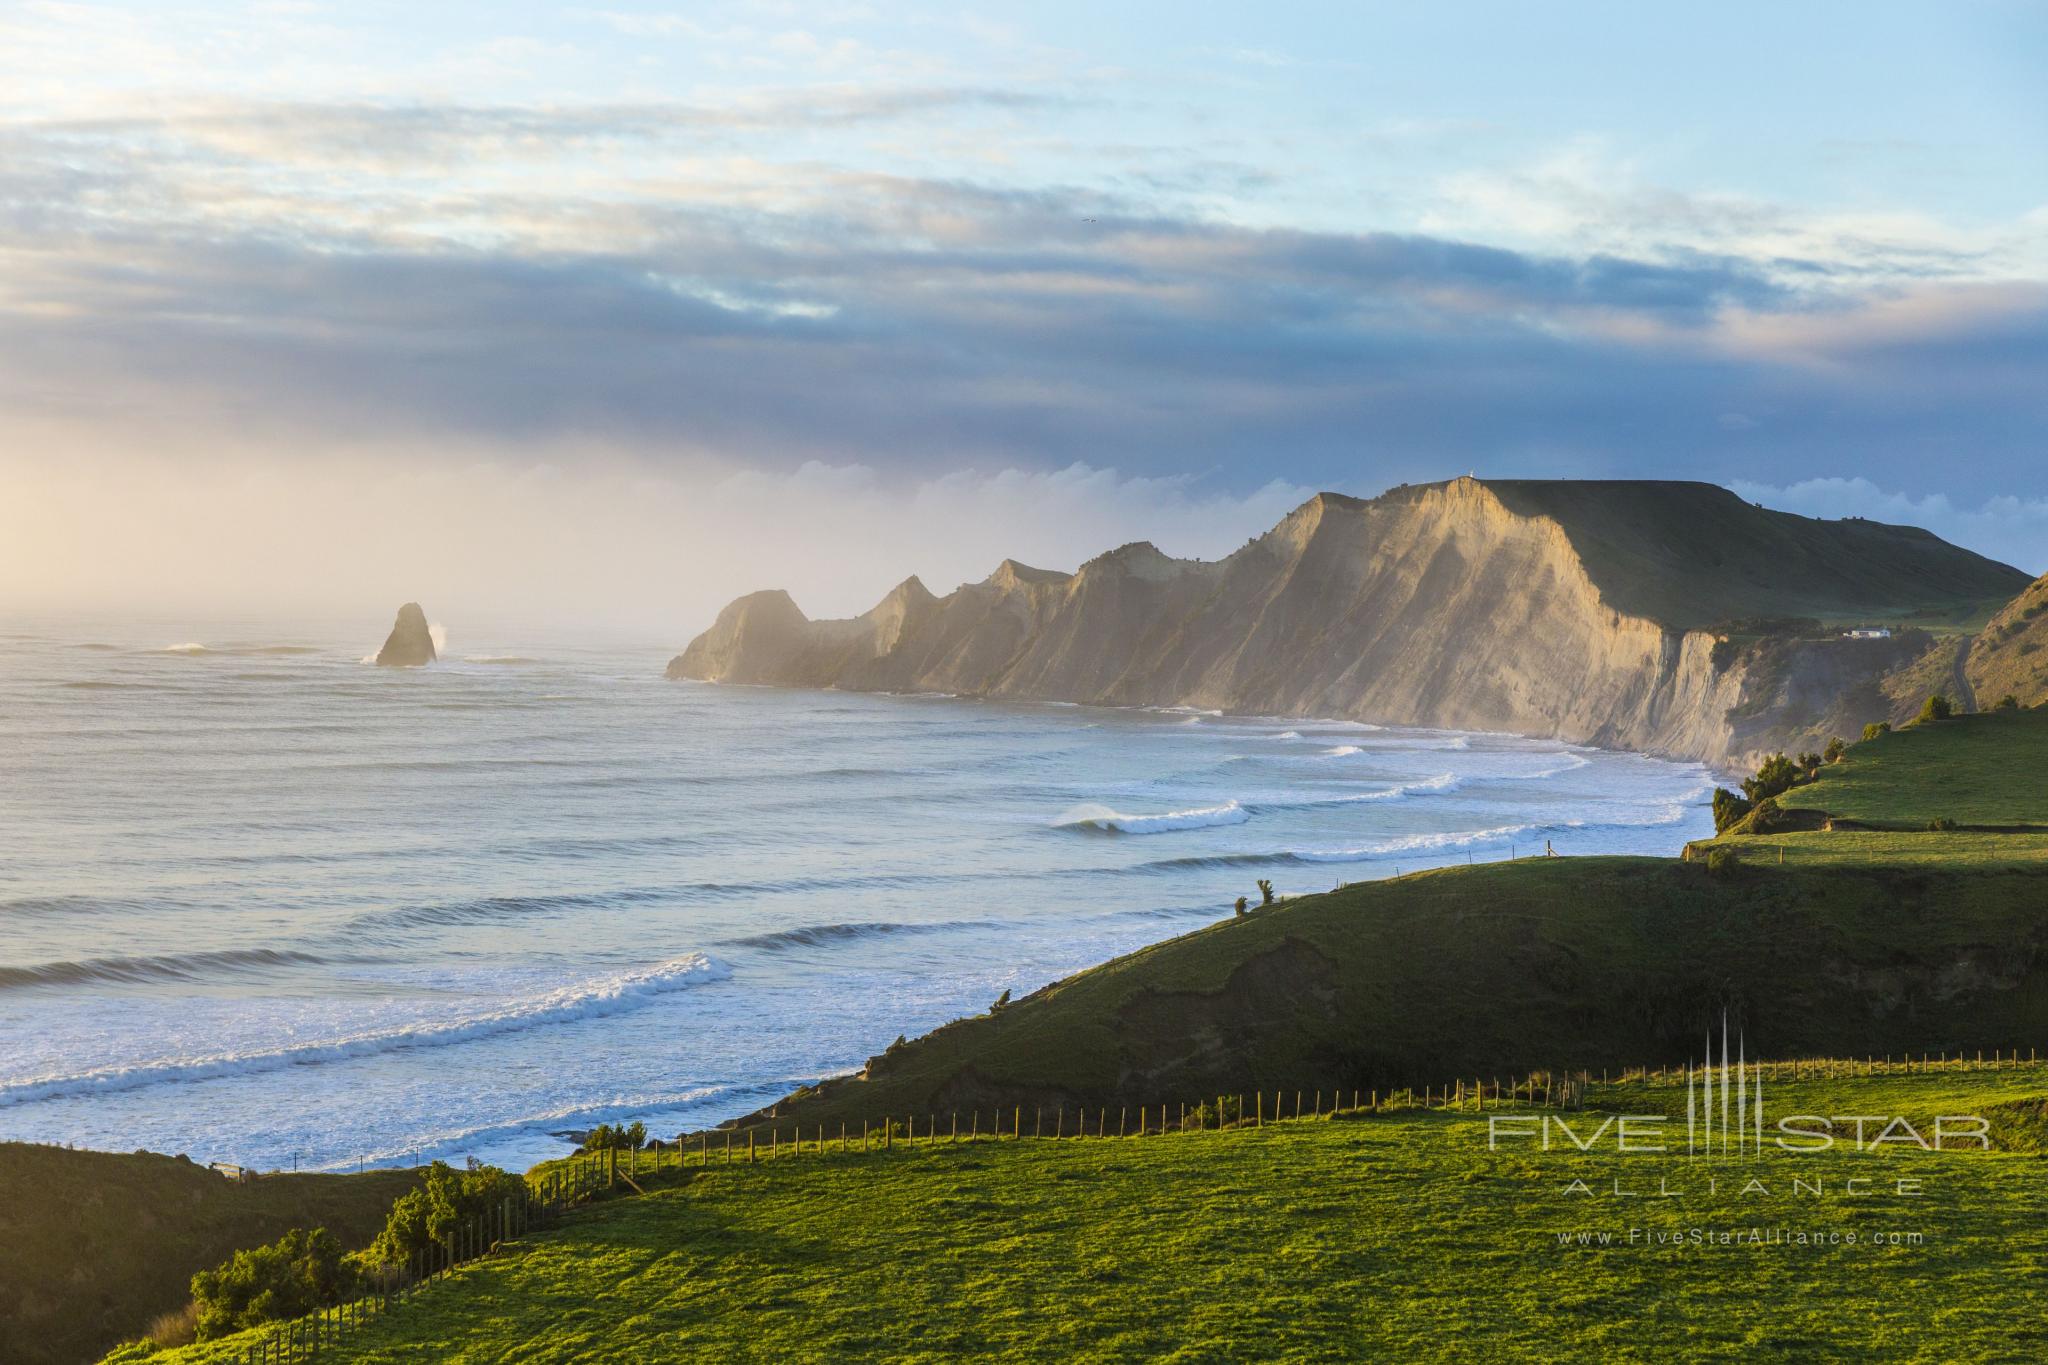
1746,1236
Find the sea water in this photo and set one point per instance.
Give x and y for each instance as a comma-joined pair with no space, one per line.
263,902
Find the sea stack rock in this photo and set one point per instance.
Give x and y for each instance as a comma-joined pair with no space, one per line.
410,643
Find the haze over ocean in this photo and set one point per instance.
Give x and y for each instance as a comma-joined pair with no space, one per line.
263,903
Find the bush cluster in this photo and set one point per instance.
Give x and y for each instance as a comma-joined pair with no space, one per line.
424,1217
606,1137
294,1275
1777,775
1728,810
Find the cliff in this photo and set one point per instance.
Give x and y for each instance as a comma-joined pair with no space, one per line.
2010,656
1646,616
410,643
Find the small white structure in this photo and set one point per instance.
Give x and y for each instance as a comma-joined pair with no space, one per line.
1868,633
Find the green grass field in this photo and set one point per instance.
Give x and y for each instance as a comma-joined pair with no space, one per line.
1391,1237
1984,769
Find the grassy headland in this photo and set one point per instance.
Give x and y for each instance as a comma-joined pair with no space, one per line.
1983,771
93,1245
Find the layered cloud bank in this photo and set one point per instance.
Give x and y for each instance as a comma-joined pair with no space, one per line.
623,264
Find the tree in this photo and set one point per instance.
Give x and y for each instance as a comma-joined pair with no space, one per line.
1836,747
1001,1001
1937,707
291,1277
1728,810
1242,905
1265,892
1876,728
605,1137
421,1218
2008,702
1809,763
1775,776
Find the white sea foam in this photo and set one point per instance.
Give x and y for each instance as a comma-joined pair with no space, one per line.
614,994
1413,843
1104,820
1342,751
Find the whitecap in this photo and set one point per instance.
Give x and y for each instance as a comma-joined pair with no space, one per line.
1106,821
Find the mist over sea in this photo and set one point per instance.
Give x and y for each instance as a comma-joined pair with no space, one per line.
262,902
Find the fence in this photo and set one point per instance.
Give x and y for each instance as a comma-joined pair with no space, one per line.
578,1179
394,1286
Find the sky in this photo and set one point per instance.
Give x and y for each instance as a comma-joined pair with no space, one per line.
620,310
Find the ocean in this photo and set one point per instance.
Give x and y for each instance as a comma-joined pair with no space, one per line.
264,903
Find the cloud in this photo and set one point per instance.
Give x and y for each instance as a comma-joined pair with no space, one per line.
1586,197
774,315
362,293
2013,530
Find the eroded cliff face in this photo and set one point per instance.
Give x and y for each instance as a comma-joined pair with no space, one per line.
2010,656
1437,605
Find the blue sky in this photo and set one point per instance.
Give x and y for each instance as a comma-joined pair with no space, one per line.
1182,261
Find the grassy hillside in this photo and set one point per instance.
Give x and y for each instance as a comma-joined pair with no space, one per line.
2011,654
1981,770
1605,961
1695,555
93,1245
1396,1237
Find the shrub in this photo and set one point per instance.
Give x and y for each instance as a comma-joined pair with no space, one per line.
1836,748
292,1276
1728,810
1775,776
423,1217
605,1138
2008,702
1001,1001
1876,728
170,1330
1243,906
1723,862
1937,707
1809,763
1769,817
1941,825
1265,892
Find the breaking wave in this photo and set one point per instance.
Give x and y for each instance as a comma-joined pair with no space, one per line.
609,995
1103,820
